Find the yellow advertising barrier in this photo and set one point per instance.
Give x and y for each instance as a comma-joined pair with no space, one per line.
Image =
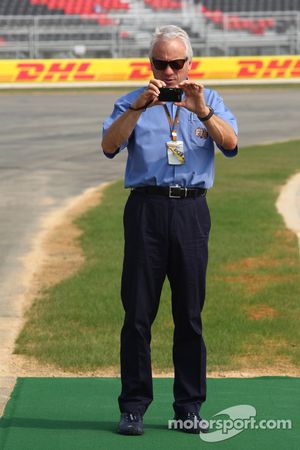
139,69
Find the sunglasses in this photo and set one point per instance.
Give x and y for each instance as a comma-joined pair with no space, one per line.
176,64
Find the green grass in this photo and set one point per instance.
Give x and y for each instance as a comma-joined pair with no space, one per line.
253,269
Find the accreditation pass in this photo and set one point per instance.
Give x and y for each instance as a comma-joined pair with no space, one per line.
175,152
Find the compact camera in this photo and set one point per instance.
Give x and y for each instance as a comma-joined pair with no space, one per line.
170,95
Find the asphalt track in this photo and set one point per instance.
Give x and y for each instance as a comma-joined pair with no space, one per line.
50,152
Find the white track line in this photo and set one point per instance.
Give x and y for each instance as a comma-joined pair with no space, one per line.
288,204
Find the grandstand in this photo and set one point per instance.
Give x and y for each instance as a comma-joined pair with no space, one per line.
122,28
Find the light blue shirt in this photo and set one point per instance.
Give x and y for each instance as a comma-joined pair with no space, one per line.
147,162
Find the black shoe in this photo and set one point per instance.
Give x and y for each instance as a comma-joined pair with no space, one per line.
191,423
131,424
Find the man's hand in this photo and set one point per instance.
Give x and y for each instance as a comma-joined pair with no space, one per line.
194,98
220,131
150,94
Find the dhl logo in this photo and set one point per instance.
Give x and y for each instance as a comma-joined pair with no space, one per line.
54,72
275,68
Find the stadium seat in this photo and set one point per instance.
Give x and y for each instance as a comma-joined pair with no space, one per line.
234,6
103,19
164,4
217,17
245,24
85,7
235,23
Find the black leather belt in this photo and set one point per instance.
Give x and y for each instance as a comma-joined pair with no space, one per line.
172,191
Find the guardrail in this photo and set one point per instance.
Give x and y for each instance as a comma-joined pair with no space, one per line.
129,35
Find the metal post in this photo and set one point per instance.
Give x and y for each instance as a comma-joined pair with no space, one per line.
31,40
36,36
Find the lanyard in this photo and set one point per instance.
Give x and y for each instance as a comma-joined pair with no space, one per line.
172,123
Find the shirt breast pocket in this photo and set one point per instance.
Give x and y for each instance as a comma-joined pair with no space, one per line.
198,133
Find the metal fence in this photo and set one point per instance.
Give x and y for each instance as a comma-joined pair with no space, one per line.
129,34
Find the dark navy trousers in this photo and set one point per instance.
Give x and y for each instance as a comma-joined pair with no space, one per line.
164,237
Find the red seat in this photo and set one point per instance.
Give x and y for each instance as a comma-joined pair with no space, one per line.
217,17
163,4
270,22
175,5
103,19
262,23
234,23
257,28
51,4
85,8
124,34
245,24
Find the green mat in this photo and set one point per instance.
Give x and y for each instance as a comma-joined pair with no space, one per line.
81,414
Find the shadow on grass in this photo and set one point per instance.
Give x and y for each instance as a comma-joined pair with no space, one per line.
49,424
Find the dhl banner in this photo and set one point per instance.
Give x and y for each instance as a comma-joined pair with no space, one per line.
139,69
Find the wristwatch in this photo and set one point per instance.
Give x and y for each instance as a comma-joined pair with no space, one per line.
211,113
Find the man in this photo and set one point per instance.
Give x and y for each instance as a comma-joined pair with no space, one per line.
166,222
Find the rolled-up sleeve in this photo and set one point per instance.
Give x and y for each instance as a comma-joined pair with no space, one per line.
221,110
119,108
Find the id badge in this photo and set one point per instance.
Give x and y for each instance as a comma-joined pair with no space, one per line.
175,152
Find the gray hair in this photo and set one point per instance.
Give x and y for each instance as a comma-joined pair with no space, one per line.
171,32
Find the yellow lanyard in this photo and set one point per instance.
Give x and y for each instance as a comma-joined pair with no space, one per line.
172,123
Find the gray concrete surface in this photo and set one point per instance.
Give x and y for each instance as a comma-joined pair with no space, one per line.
50,151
